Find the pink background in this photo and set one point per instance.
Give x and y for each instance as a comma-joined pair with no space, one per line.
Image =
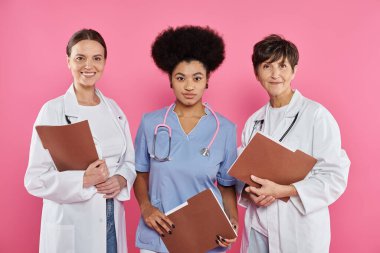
339,44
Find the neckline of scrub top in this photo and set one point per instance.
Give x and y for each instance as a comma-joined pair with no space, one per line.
192,130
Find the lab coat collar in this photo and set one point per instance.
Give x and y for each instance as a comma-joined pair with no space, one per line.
293,107
71,102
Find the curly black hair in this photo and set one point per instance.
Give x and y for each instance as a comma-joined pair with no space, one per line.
187,43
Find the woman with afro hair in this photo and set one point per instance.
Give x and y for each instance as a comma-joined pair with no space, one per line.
186,147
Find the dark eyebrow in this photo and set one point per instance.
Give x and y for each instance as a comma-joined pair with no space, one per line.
198,73
97,55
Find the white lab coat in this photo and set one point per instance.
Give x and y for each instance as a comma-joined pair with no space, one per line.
74,218
303,223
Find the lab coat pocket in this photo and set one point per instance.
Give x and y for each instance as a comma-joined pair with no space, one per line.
293,143
60,238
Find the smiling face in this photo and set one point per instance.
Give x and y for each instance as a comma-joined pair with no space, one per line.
86,63
276,77
189,80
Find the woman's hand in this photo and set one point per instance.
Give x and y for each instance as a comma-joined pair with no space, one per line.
224,242
97,172
261,200
112,186
152,216
269,191
156,220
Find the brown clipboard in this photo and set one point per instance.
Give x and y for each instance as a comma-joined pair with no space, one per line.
270,160
71,146
197,223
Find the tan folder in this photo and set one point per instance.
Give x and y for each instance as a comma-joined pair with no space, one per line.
197,223
70,146
268,159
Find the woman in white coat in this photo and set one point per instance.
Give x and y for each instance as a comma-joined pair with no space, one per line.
83,211
302,224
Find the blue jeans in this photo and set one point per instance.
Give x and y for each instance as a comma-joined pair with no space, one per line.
111,231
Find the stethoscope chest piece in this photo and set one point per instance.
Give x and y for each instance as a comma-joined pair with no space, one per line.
205,152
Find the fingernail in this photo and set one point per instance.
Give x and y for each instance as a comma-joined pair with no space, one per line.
173,226
217,242
170,232
162,235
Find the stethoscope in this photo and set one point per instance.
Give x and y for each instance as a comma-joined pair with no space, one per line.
204,151
261,123
67,120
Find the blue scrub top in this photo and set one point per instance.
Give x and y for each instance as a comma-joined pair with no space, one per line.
173,182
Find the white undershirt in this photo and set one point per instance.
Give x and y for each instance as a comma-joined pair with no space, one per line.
275,116
106,134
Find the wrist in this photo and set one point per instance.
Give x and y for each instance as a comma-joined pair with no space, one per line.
122,181
144,205
86,182
235,224
234,221
287,191
293,191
